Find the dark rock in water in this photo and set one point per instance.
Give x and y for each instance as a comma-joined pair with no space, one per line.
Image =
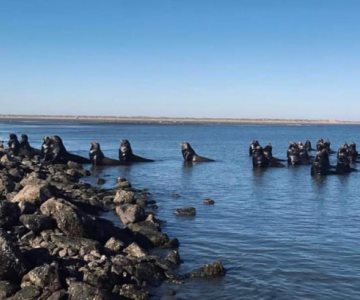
173,257
122,183
7,289
214,269
81,290
148,234
186,211
133,292
208,201
11,261
27,293
130,213
45,276
37,223
9,214
100,181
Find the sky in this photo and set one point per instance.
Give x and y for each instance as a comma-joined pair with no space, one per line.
181,58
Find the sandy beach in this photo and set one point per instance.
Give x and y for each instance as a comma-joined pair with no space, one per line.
171,120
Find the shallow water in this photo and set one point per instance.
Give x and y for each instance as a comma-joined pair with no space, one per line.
280,233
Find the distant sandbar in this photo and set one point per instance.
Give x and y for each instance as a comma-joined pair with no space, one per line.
170,120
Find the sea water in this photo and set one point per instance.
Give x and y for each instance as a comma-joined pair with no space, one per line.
280,233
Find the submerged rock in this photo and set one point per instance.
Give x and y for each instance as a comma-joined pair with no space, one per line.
214,269
185,211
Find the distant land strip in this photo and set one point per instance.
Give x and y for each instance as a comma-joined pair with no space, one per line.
170,120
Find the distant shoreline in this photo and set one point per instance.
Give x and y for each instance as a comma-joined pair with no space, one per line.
170,120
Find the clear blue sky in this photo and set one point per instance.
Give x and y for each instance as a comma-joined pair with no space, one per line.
200,58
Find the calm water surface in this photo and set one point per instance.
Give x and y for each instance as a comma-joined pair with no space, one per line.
280,233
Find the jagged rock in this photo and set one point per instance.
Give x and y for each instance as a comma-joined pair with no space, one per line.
37,223
7,289
45,276
130,213
9,214
173,257
148,234
133,292
83,245
135,251
34,178
84,291
58,295
67,216
214,269
33,193
11,261
124,197
114,245
185,211
27,293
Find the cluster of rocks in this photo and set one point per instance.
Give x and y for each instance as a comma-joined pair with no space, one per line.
55,245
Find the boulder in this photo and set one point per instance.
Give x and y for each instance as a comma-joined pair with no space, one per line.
9,214
84,291
130,213
37,223
135,251
69,219
124,197
45,276
133,292
114,245
27,293
82,245
208,201
148,234
33,193
11,261
214,269
7,289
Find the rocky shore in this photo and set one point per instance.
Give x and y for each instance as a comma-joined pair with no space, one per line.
55,245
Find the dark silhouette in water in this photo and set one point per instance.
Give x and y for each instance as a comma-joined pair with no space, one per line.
190,155
98,158
297,154
126,154
55,152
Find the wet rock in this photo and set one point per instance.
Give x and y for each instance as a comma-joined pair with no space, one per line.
173,257
130,213
124,197
81,290
214,269
67,216
133,292
7,289
9,214
135,251
185,211
148,234
45,276
37,223
11,261
122,183
208,201
27,293
33,193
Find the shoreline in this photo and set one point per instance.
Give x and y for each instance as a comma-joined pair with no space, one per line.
170,120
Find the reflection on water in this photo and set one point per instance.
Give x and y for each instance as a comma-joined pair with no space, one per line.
281,233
